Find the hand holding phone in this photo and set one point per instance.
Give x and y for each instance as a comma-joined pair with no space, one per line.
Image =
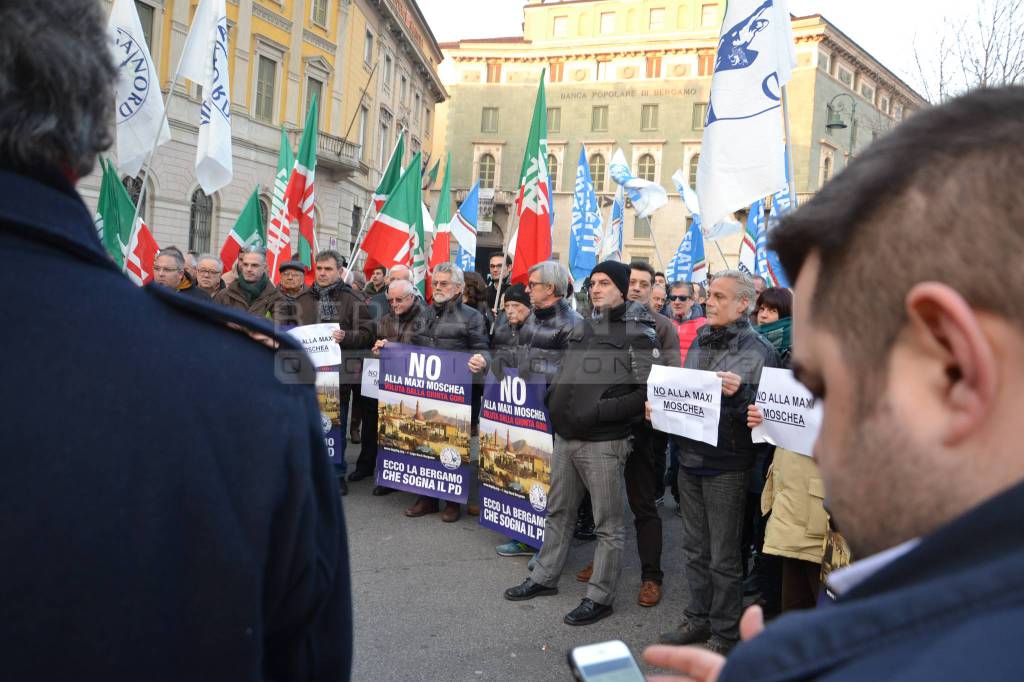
604,662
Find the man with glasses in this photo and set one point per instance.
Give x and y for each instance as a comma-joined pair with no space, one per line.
291,285
169,271
497,271
450,324
682,299
208,272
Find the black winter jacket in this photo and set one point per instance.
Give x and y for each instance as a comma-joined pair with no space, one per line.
545,337
453,325
601,386
735,348
504,344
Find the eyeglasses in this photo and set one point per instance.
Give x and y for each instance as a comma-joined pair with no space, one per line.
161,270
679,298
399,299
535,284
442,285
212,273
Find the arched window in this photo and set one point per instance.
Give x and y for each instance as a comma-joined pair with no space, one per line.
645,167
553,171
134,187
487,168
694,160
826,169
597,169
200,220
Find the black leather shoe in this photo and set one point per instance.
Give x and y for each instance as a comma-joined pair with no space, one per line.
380,491
589,611
343,486
358,475
686,633
529,590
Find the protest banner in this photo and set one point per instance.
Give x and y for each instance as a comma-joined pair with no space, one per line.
321,347
792,417
371,373
685,402
423,408
515,458
328,393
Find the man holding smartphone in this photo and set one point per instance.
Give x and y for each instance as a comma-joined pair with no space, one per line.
917,360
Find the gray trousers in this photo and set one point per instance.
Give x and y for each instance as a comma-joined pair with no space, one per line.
713,509
579,466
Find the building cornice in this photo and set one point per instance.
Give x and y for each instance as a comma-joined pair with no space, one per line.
317,41
271,17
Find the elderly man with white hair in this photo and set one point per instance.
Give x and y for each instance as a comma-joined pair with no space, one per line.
713,479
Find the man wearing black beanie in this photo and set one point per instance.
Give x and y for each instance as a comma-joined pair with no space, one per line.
596,397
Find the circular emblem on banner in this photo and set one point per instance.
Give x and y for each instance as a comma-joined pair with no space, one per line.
133,76
325,423
538,498
450,458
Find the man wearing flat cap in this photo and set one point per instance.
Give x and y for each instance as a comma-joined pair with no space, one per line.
594,400
290,286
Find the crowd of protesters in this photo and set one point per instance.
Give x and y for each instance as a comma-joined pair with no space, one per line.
753,520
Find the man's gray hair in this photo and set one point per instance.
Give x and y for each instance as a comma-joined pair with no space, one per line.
210,256
405,287
400,268
258,250
190,258
57,80
744,286
458,278
554,273
690,291
175,253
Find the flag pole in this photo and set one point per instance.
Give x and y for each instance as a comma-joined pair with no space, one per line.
504,260
657,249
720,253
147,166
362,228
789,149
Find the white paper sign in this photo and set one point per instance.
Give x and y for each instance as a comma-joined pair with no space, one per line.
686,402
371,374
323,350
792,417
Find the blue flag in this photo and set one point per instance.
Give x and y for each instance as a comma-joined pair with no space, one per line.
585,230
782,203
688,264
463,227
611,243
645,195
753,239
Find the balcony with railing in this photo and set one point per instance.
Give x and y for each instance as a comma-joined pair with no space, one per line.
334,153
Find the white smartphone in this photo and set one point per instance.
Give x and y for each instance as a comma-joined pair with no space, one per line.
604,662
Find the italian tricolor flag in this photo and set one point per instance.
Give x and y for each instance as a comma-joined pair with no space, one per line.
441,247
279,231
133,248
396,235
533,238
300,195
247,232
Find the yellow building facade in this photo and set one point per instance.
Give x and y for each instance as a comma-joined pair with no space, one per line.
372,65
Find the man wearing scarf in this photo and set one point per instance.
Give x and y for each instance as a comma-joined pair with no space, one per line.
713,479
253,291
330,299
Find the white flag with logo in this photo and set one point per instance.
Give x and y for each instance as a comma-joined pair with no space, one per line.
205,61
139,106
742,154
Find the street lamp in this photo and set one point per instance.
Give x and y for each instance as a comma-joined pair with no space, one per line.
835,118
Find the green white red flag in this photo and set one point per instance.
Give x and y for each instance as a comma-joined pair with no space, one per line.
393,236
392,174
247,232
279,231
300,194
132,249
533,238
441,247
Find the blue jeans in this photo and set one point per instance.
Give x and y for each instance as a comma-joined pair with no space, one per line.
713,511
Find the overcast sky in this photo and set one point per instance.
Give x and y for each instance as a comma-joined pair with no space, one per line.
885,28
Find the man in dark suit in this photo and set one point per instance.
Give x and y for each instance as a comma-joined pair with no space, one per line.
150,531
917,359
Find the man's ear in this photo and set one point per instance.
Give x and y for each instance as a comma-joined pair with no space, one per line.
946,325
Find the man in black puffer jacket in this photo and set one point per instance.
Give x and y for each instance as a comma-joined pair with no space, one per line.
546,335
594,400
449,324
713,479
